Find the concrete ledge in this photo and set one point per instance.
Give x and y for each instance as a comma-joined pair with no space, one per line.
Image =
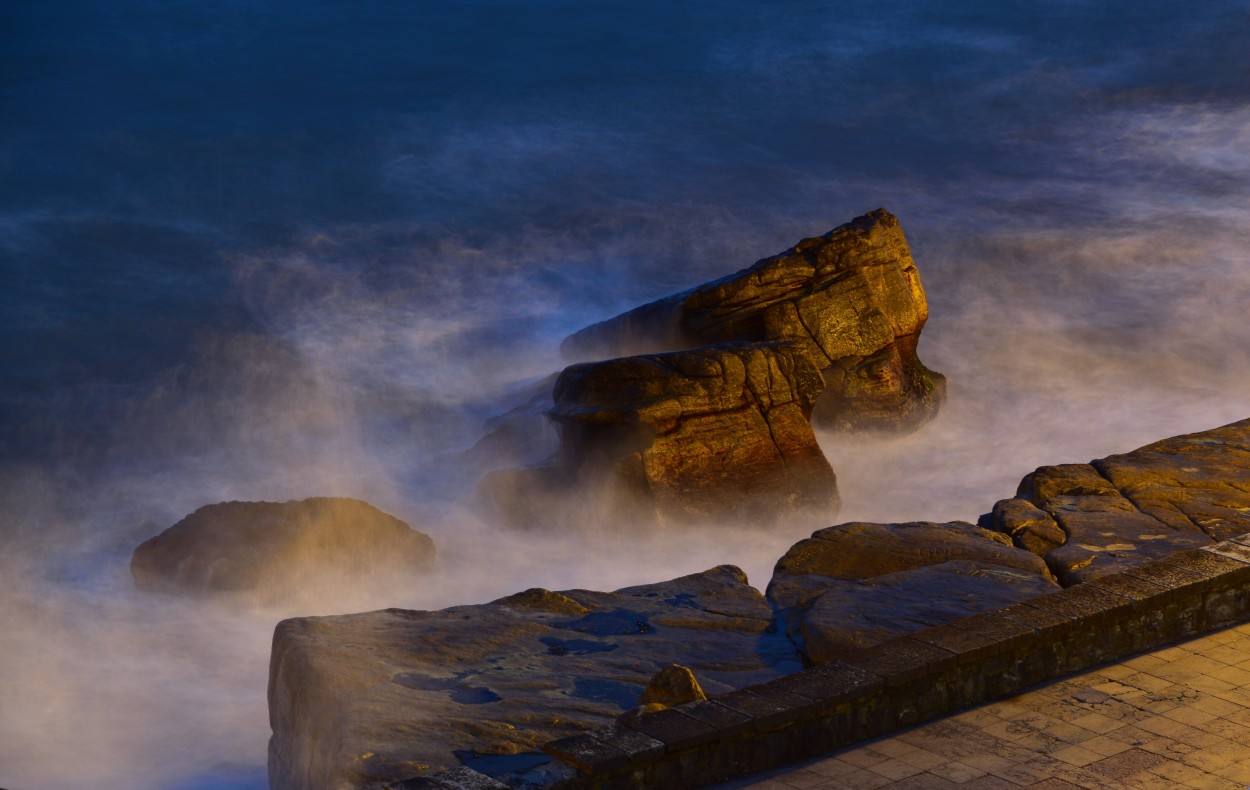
918,677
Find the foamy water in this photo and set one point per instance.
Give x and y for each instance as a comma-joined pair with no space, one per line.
271,251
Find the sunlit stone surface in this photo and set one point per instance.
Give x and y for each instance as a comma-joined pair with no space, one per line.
850,299
719,432
1123,510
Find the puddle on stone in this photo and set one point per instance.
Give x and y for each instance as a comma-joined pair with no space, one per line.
460,692
619,693
576,647
470,695
500,764
423,682
619,622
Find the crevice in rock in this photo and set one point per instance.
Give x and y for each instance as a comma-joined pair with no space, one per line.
1098,465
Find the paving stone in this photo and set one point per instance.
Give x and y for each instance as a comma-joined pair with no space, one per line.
1125,764
925,781
1159,720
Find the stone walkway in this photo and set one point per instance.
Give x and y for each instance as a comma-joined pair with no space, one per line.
1175,718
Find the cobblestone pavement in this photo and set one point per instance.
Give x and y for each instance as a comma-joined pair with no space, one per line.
1175,718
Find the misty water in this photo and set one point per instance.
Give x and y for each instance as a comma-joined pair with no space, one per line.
272,250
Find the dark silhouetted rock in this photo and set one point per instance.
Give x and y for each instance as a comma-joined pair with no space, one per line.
272,552
850,300
1130,509
715,432
387,695
857,584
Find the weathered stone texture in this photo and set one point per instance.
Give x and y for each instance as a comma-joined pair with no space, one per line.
1126,510
850,300
386,695
274,552
859,584
716,432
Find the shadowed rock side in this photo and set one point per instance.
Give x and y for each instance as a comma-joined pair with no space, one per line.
1089,520
273,552
859,584
850,300
383,696
715,432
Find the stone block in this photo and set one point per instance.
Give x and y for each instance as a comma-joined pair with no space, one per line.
769,710
465,778
637,745
587,753
1209,564
727,721
828,685
970,647
894,669
1233,549
673,728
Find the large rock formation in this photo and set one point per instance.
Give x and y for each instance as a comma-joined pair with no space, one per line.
858,584
387,695
274,552
850,300
712,433
1092,519
382,696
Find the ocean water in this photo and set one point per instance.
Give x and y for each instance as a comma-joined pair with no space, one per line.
270,250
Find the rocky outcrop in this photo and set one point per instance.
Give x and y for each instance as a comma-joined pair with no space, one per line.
716,432
859,584
383,696
850,300
1126,510
274,552
388,695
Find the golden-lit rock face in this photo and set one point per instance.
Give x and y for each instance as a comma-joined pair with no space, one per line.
711,434
1129,509
850,300
715,431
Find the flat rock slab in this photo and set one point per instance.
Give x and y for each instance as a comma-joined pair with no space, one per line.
383,696
855,614
851,300
1126,510
276,552
858,584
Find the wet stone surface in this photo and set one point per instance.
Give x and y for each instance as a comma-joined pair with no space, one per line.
384,696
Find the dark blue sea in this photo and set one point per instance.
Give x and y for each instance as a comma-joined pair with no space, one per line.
265,250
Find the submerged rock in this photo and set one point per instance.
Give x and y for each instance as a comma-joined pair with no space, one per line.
272,552
382,696
850,300
1130,509
715,432
858,584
